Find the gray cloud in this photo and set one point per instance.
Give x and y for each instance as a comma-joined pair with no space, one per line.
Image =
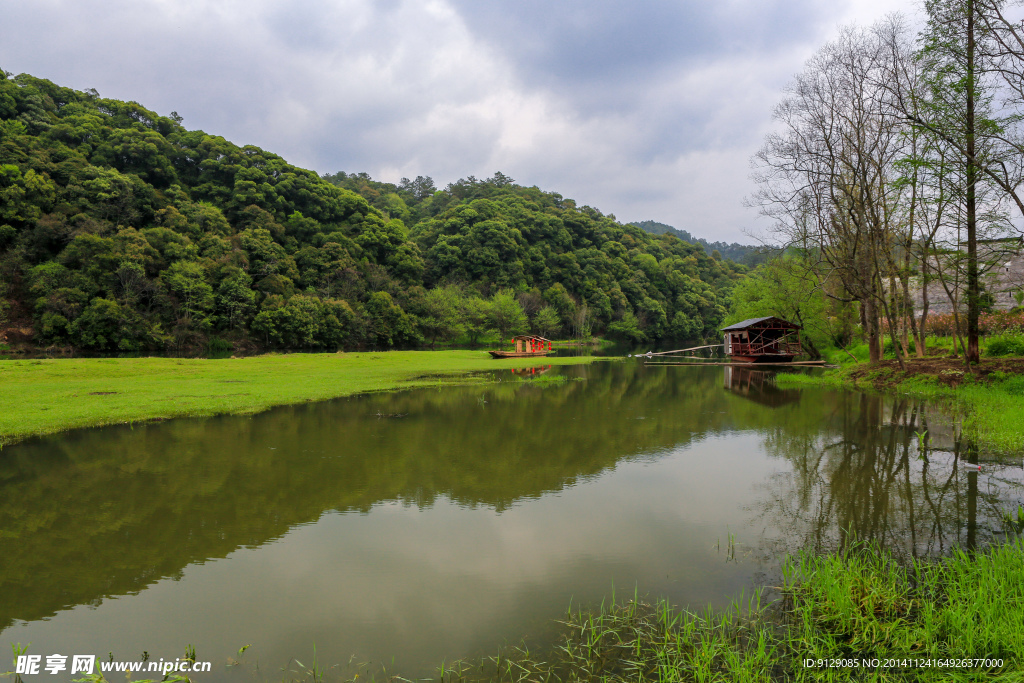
646,110
579,43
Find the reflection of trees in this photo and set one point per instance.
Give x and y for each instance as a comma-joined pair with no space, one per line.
870,474
108,511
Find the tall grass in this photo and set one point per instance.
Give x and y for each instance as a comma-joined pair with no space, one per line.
640,641
858,605
862,603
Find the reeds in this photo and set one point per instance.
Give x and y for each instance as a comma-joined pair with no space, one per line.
860,607
640,641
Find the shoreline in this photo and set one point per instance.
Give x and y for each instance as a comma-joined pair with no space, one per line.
42,397
991,402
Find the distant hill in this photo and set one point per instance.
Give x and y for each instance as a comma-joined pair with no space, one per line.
747,254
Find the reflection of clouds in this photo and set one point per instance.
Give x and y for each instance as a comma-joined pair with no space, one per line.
434,582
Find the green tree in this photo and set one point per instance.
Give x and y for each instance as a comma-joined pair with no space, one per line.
547,322
956,111
193,295
506,315
786,288
235,300
558,298
442,317
476,316
106,325
627,329
387,324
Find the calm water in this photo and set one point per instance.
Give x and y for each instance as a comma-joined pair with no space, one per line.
427,525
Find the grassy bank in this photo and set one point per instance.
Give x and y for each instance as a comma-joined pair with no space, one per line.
47,396
990,402
842,612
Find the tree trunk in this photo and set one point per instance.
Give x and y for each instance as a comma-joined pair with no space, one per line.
870,314
973,288
924,306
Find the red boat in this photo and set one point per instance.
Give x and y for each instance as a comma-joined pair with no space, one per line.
527,345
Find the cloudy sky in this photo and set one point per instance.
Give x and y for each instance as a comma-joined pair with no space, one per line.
645,109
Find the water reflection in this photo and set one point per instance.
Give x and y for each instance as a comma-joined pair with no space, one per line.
432,524
871,473
190,490
758,385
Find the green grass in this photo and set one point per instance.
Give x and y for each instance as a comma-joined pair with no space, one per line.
863,604
992,410
48,396
857,605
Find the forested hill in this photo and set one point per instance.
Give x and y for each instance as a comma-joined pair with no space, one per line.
120,229
747,254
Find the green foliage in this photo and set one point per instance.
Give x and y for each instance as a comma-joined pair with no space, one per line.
787,288
387,324
547,323
1005,345
476,316
627,329
306,322
506,315
162,237
442,314
106,325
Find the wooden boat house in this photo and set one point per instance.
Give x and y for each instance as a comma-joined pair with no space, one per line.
763,340
526,345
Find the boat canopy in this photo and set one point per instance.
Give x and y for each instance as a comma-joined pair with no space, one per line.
770,321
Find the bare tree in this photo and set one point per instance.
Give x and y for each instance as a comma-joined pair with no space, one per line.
967,49
829,178
946,91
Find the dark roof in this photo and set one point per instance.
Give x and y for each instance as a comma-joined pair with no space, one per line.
744,324
530,336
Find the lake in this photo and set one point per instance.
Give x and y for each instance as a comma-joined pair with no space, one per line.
417,527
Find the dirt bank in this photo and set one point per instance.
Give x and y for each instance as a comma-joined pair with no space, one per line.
948,371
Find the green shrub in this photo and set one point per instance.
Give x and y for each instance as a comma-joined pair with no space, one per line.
220,345
1005,345
890,351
